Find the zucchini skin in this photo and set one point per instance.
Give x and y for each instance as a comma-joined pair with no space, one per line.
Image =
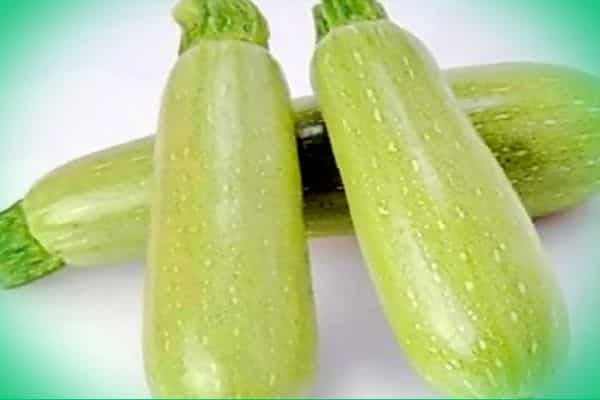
456,261
94,210
542,123
229,308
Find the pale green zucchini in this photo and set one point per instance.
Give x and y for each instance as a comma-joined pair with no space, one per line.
547,142
455,259
541,121
229,308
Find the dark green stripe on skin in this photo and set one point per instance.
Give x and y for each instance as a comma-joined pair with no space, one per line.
22,258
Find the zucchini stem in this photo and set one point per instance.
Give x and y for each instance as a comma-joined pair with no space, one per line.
22,258
336,13
220,20
321,24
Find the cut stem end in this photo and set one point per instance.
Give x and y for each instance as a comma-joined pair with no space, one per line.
22,258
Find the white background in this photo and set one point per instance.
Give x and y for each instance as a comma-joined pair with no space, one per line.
93,87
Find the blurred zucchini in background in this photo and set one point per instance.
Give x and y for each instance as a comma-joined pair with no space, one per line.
455,259
229,307
542,122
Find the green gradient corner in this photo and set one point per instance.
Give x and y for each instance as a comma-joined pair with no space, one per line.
27,369
572,29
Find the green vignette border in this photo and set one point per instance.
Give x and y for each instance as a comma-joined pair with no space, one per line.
30,372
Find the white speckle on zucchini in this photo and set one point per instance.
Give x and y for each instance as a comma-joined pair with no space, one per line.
452,207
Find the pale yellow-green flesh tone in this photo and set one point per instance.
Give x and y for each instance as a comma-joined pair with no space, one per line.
95,210
229,309
550,141
456,261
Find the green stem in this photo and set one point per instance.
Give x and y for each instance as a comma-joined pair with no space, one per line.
335,13
321,25
22,258
220,20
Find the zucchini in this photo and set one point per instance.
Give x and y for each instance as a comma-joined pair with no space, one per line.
547,141
458,268
542,122
229,308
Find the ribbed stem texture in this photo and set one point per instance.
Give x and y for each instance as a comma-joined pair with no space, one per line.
321,25
334,13
220,20
22,258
